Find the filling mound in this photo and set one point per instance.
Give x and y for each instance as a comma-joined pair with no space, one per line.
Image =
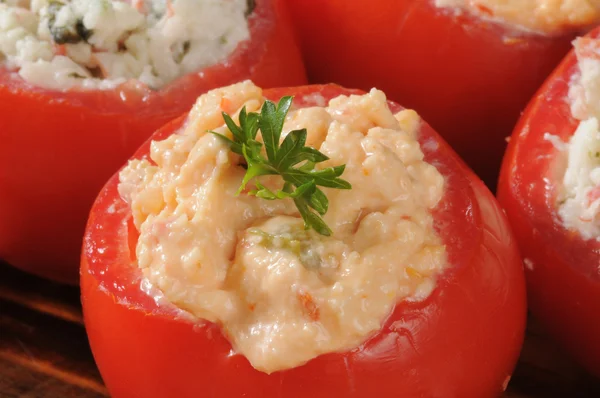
579,204
99,44
541,16
282,293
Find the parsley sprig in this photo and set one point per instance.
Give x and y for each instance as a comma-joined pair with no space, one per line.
291,159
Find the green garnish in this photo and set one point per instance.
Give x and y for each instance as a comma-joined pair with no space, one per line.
291,159
182,51
296,242
65,34
76,75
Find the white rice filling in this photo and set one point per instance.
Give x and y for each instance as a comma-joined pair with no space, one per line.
580,207
579,204
99,44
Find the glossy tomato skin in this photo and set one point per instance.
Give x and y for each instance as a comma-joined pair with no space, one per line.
563,270
470,79
463,341
58,148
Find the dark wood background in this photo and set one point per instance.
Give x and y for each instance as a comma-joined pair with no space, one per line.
44,351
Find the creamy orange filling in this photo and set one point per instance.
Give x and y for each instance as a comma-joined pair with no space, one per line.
282,294
544,16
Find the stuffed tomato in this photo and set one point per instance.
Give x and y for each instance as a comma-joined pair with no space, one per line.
550,188
84,84
469,67
358,258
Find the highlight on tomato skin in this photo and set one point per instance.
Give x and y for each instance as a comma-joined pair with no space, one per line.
468,77
561,264
59,147
463,340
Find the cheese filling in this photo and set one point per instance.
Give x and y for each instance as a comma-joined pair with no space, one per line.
99,44
542,16
579,203
282,294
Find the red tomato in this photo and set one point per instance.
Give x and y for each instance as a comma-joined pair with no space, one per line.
467,77
563,276
58,148
463,341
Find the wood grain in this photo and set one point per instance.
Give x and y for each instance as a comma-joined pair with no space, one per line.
44,351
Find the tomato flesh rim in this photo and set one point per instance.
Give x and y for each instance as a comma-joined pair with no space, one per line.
562,268
582,254
499,306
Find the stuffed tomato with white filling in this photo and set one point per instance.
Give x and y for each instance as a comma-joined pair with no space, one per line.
468,66
550,188
85,83
359,257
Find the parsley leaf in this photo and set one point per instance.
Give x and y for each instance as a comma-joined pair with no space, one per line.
291,159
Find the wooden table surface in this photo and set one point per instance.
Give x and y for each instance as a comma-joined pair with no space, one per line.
44,351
